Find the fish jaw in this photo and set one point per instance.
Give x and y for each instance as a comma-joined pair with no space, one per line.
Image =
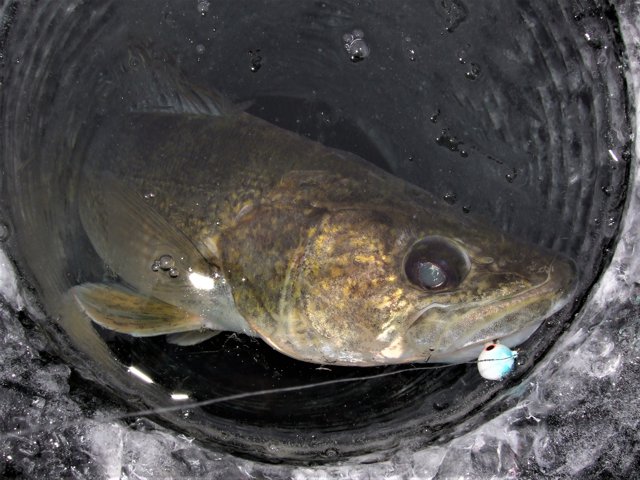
511,320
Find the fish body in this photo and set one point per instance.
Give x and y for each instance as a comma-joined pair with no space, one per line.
229,223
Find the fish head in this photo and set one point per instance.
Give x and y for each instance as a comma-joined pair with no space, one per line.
376,286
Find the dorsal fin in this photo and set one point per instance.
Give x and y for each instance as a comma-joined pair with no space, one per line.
148,80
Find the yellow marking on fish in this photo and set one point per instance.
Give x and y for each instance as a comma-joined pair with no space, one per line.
335,272
387,327
385,302
365,259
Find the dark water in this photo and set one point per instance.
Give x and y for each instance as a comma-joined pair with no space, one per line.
513,112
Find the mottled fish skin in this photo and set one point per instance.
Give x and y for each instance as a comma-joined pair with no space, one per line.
313,241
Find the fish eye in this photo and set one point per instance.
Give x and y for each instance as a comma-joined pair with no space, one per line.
435,263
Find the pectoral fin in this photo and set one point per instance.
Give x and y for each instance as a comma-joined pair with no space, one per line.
125,311
130,236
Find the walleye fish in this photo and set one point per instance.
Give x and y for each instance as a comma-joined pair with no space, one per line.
225,222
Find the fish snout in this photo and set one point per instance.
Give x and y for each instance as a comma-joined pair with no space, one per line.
456,333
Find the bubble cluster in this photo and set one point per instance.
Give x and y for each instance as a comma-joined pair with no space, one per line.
166,263
451,143
356,46
203,7
454,13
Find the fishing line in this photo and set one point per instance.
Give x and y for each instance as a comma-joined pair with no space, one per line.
240,396
269,391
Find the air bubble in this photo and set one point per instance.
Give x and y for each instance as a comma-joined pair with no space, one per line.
474,72
331,452
450,142
594,40
440,406
203,7
462,54
359,50
4,232
466,208
356,46
603,58
412,55
173,272
166,262
255,60
450,198
434,117
454,13
511,176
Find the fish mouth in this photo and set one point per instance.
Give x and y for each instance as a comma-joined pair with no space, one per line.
510,320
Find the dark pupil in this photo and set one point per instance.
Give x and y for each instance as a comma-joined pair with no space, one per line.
431,275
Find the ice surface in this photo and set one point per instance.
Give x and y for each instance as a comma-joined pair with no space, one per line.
575,415
9,283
